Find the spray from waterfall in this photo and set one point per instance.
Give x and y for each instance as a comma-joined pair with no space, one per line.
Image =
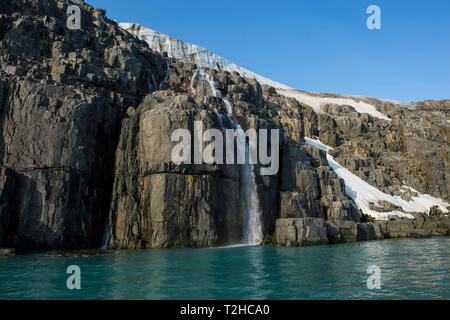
252,218
105,239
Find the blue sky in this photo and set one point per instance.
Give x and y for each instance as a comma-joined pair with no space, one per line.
320,45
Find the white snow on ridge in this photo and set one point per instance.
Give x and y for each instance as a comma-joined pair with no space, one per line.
192,53
316,102
363,193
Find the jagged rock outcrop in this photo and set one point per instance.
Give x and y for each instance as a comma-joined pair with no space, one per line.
301,232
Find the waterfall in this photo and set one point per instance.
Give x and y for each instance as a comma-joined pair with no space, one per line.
228,107
203,77
166,76
252,219
105,239
252,213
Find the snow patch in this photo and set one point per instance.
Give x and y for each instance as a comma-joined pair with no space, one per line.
364,194
317,102
188,52
204,58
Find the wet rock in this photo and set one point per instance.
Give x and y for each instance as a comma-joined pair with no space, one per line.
79,253
379,230
333,232
420,234
301,232
7,252
400,229
348,230
367,232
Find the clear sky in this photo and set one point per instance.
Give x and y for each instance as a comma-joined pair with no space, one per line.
320,45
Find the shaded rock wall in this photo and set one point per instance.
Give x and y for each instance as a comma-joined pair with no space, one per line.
62,99
156,203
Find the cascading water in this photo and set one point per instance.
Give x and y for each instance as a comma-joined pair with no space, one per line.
252,219
166,76
203,77
105,239
252,213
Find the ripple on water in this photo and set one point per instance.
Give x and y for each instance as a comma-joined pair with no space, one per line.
410,269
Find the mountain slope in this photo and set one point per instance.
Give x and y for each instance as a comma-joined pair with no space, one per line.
327,104
184,51
86,119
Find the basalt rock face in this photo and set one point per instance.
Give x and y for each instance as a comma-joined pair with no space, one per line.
309,187
412,149
86,123
158,204
301,232
62,98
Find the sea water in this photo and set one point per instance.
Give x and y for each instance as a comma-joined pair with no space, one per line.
410,269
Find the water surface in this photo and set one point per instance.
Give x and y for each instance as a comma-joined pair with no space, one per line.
410,269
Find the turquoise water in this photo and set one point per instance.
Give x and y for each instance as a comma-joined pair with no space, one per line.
410,269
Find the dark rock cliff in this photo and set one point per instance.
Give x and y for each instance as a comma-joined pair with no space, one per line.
62,99
86,120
